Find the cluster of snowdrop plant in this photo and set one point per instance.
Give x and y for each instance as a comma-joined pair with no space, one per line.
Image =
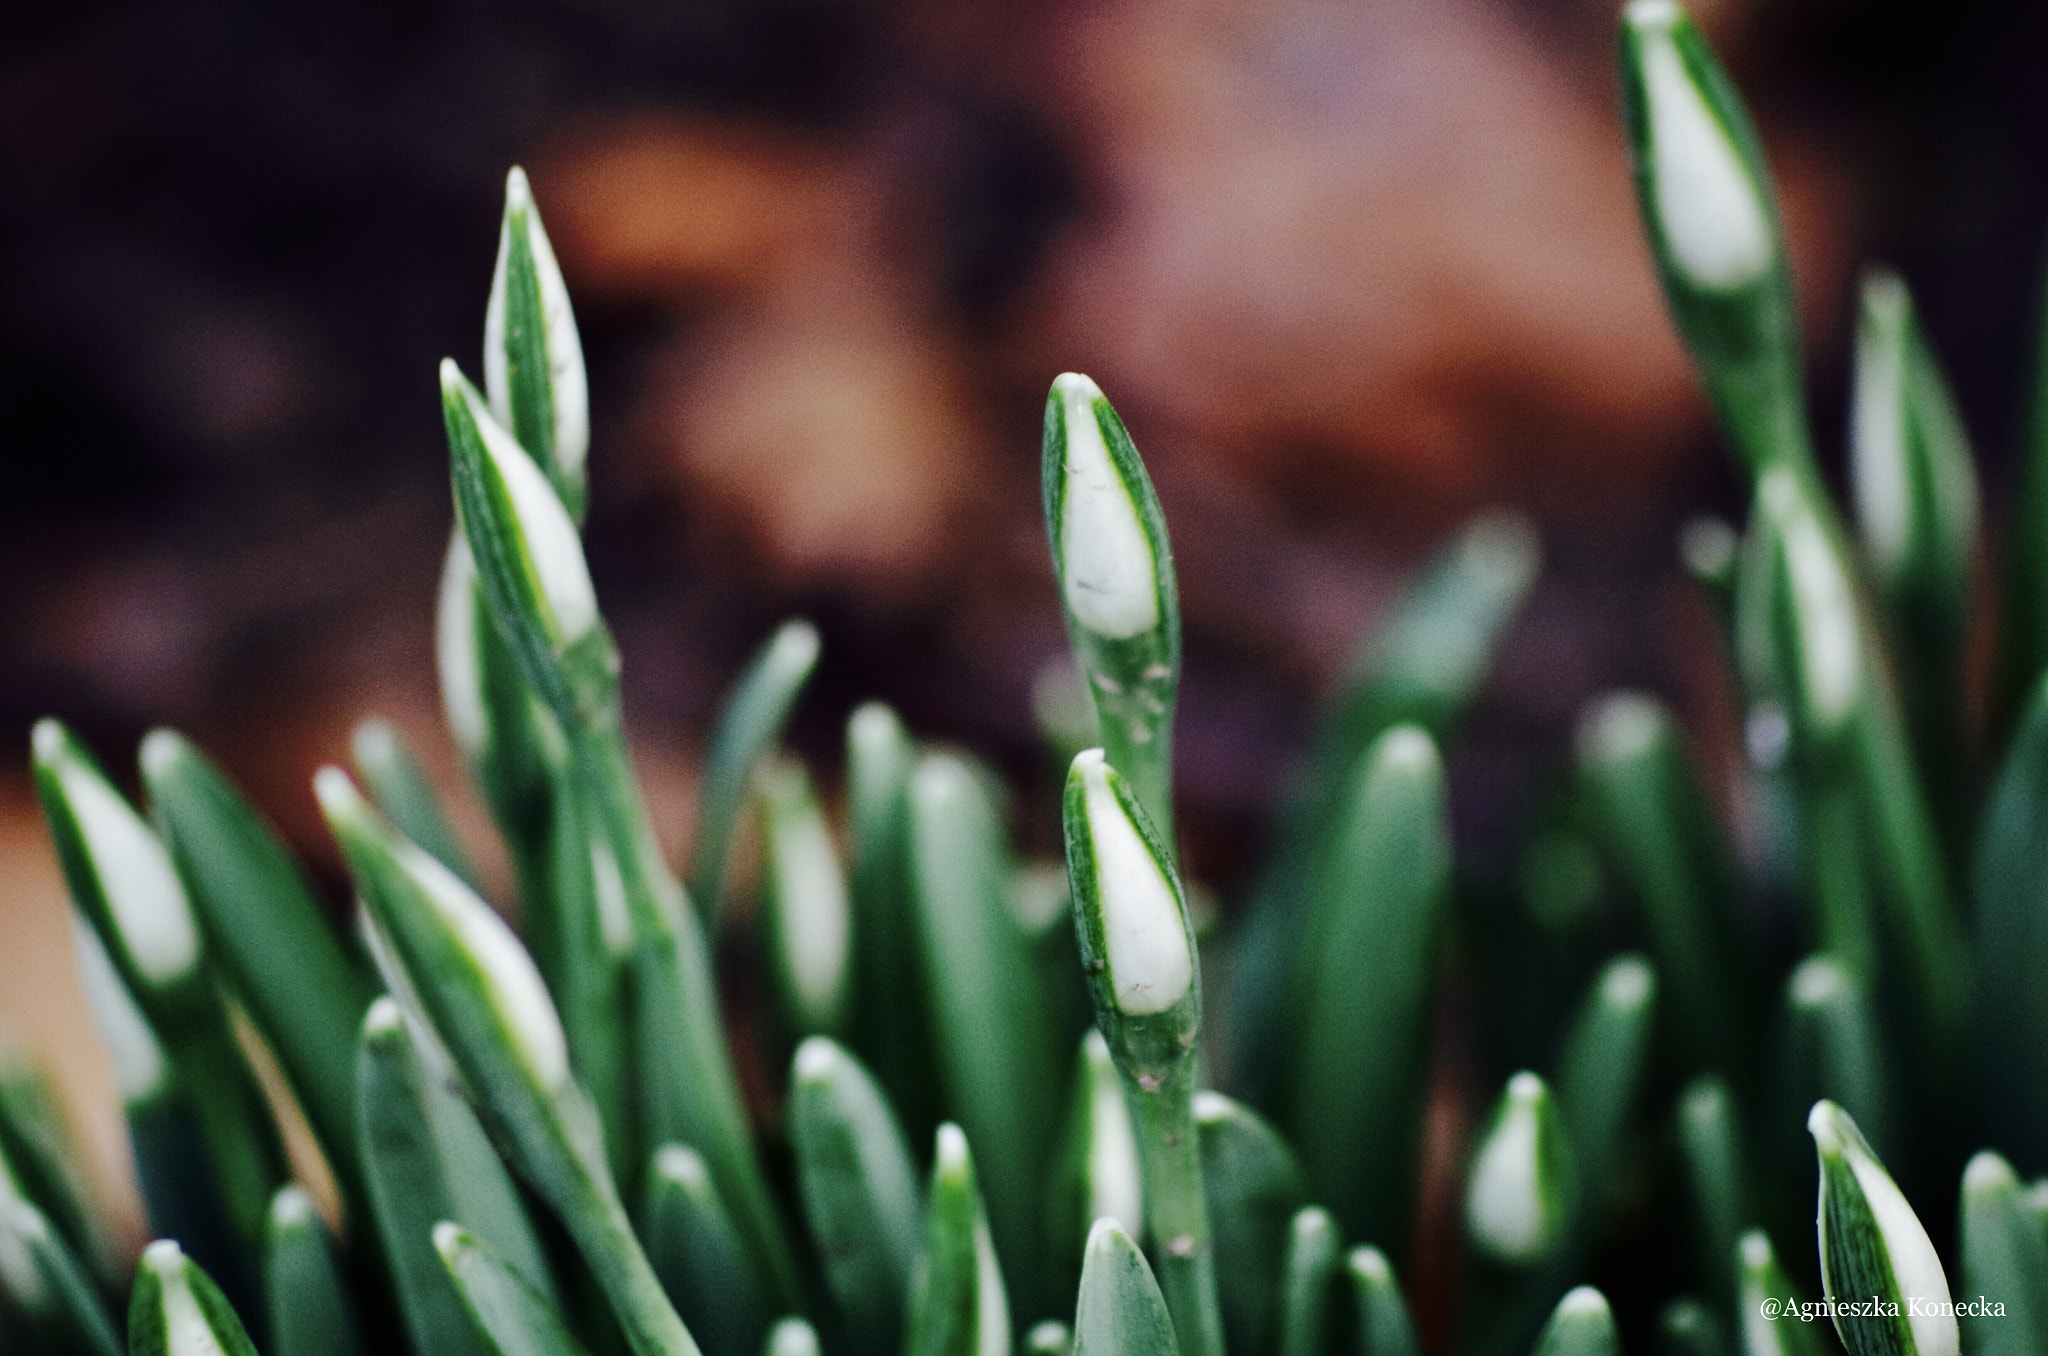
998,1134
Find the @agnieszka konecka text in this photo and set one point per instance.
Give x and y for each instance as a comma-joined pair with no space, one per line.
1808,1311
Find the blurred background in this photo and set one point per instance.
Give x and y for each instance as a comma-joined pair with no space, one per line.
1351,270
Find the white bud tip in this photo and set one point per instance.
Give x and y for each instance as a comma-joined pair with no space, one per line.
1104,1234
950,1151
449,1239
292,1207
1582,1302
1819,981
165,1258
1151,967
792,1337
518,195
1824,1123
1106,563
796,645
1756,1250
1504,1202
816,1059
337,794
1628,984
1525,1088
384,1017
1213,1108
1408,749
1711,213
1708,547
1989,1172
682,1165
1370,1264
161,751
1620,727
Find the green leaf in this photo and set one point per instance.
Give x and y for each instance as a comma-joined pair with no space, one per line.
533,358
311,1310
1653,818
177,1310
1368,967
1832,1049
514,1318
1712,221
701,1257
1120,1312
809,921
1872,1245
860,1191
1519,1191
1915,494
889,1014
428,1160
749,725
1710,1145
998,1066
2010,1021
1115,569
1581,1325
1308,1284
1769,1328
46,1279
399,787
1423,665
270,935
1384,1327
2023,639
957,1303
37,1150
1253,1186
1602,1070
2005,1261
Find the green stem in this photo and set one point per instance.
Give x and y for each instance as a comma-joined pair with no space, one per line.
1176,1210
598,1222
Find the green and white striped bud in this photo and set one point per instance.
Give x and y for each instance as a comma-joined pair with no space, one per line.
1120,1311
177,1310
527,553
141,1072
1872,1246
1802,627
1519,1194
120,873
533,359
471,981
958,1306
1137,945
1115,569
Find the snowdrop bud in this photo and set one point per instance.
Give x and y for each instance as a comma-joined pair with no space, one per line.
1515,1200
1873,1245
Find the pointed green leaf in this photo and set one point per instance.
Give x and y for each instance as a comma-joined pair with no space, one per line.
1602,1070
1308,1284
311,1310
45,1278
1710,1145
1097,1175
2010,1021
287,963
1872,1244
514,1318
1368,970
2005,1262
1254,1186
700,1255
1771,1325
38,1151
1520,1188
958,1306
1121,1312
749,724
399,787
1832,1045
860,1191
1384,1327
1581,1325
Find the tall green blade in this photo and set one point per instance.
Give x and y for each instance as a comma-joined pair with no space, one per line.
428,1160
269,933
1602,1070
2023,642
45,1278
860,1191
701,1256
1769,1326
1384,1326
958,1306
1710,1146
1096,1173
1832,1048
1120,1311
1581,1325
809,919
998,1066
1254,1186
2009,1037
1368,968
2005,1262
39,1153
1308,1285
749,725
311,1310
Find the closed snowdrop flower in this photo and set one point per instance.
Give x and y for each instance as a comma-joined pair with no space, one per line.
1108,573
1872,1244
1515,1198
178,1310
1145,936
533,357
